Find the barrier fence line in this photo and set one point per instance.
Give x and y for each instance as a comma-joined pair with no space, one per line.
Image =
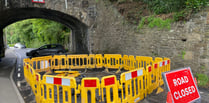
143,75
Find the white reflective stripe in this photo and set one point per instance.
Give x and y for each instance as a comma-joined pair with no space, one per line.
166,62
42,64
50,80
139,72
46,64
66,82
128,76
136,99
161,64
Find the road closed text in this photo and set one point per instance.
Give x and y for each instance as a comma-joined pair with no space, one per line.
184,92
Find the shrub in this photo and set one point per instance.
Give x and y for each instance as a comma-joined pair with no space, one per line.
196,5
167,6
202,79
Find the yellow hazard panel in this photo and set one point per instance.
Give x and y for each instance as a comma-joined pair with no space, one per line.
157,59
167,64
109,87
77,61
99,60
125,62
59,62
155,75
55,88
133,85
112,61
91,61
41,63
150,84
131,62
90,86
143,61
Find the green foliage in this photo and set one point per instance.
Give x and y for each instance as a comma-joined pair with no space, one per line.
11,45
180,15
155,22
183,53
202,79
36,32
167,6
196,5
141,23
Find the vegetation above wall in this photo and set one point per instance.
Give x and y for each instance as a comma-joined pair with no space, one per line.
153,12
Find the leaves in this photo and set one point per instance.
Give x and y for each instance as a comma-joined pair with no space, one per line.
36,32
168,6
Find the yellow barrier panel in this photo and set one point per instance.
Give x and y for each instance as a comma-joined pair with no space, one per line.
58,89
91,61
143,61
26,69
163,67
77,61
133,85
152,77
59,62
131,62
30,75
167,60
125,62
109,87
90,87
149,86
37,90
99,60
41,63
112,61
155,77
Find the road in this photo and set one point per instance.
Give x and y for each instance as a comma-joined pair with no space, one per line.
8,93
18,76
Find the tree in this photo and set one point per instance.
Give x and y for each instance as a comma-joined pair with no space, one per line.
36,32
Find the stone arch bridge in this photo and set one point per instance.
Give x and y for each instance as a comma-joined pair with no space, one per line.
78,15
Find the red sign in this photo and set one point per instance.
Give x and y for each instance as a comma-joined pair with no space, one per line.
181,85
38,1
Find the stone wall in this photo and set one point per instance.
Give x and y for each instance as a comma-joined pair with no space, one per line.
186,43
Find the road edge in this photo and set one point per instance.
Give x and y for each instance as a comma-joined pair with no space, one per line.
21,100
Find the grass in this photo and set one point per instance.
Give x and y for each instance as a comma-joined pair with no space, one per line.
152,22
202,79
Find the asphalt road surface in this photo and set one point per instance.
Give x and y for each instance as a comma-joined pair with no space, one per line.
8,93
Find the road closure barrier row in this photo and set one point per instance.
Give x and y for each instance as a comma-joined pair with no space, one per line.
56,79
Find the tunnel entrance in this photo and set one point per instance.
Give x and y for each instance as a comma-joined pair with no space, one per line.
78,29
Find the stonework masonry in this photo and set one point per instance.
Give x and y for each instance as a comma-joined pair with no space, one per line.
186,43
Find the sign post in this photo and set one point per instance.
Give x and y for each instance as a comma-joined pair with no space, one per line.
181,85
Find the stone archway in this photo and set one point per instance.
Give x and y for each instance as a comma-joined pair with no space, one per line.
79,29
